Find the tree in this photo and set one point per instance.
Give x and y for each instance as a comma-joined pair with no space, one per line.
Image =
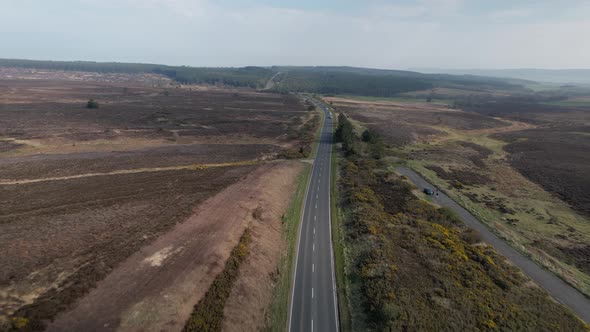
92,104
376,146
345,134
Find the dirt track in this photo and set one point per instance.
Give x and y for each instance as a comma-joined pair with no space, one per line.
129,171
155,289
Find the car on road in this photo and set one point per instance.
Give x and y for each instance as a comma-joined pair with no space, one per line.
428,191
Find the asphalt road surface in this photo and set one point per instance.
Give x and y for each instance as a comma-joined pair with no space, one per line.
313,299
555,286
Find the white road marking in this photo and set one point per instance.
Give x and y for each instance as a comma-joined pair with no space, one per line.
315,217
312,292
314,230
312,267
313,247
312,325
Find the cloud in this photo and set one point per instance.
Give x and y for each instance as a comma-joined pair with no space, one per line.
512,14
418,9
426,33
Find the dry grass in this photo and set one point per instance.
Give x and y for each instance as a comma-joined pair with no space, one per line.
524,213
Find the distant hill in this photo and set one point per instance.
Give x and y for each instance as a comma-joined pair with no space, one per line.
324,80
579,76
380,82
254,77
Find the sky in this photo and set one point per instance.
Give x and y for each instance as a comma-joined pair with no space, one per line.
394,34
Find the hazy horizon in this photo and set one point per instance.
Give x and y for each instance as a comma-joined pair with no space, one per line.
403,34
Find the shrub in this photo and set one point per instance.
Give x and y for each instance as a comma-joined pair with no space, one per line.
470,236
257,213
208,313
92,104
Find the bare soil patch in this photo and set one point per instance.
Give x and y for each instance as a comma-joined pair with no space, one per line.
70,234
156,288
252,293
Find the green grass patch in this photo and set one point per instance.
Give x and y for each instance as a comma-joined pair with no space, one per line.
314,148
208,313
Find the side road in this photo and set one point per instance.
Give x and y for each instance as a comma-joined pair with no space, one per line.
555,286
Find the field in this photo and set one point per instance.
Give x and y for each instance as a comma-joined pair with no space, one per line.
84,193
413,122
520,169
412,266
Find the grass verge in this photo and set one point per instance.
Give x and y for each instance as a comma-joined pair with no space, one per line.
314,148
337,240
278,314
208,313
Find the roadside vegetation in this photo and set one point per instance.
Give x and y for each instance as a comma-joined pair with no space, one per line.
412,266
279,310
338,243
304,134
208,313
519,167
278,313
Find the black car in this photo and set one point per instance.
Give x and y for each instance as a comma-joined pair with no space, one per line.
428,191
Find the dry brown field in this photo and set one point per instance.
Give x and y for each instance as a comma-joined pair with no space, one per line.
83,191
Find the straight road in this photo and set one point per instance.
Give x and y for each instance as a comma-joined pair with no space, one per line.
314,305
556,287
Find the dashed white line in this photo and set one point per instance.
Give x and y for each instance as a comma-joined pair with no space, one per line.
312,292
313,247
312,268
